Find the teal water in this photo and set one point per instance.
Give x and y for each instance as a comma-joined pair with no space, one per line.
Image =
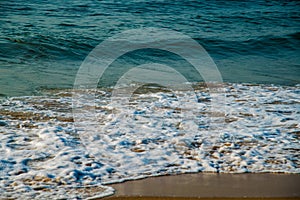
42,43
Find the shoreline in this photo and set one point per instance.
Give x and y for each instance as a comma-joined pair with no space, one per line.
210,185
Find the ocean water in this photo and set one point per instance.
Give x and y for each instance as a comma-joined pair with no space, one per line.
43,43
60,143
46,155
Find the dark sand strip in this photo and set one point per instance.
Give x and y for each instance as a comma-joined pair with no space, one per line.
210,185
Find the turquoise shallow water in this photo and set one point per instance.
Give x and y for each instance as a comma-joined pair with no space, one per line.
42,44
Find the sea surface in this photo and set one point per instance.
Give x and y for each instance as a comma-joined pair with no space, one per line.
43,43
62,143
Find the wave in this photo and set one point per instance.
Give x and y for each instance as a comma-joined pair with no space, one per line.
263,45
42,47
250,41
45,152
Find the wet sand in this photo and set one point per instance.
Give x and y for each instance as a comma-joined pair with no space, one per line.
207,186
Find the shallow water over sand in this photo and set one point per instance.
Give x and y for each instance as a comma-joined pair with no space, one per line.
43,152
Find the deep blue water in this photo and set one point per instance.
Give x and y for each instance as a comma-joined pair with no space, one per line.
42,43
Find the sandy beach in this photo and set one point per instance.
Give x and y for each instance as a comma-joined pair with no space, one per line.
211,185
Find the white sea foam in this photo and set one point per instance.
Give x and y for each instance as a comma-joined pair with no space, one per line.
43,155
